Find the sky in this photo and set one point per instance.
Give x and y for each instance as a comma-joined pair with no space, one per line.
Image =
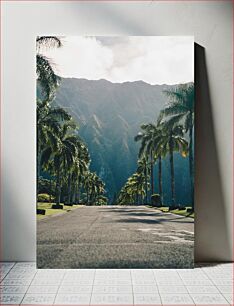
153,59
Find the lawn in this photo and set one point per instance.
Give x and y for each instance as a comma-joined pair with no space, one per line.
50,211
177,211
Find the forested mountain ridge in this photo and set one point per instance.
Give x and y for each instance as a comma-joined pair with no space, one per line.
109,116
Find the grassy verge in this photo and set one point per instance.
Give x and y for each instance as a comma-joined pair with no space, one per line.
177,211
51,212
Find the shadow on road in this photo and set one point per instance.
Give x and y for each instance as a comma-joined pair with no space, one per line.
157,221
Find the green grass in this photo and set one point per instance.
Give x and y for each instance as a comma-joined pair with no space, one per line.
177,211
50,211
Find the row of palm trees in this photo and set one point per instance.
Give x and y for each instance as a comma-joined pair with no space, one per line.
173,132
61,153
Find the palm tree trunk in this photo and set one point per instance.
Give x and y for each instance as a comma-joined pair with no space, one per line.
172,174
77,193
191,166
137,197
39,165
58,187
152,174
69,190
73,199
160,178
146,183
50,191
87,192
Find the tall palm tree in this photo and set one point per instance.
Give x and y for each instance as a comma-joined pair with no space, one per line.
47,79
181,110
143,168
65,156
134,187
151,148
48,128
172,139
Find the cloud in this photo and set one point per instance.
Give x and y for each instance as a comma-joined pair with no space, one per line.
153,59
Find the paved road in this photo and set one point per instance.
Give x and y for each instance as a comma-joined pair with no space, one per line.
115,237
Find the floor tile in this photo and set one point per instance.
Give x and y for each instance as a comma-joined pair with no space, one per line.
39,299
26,264
112,289
169,282
229,298
43,289
113,282
145,289
223,282
112,299
143,282
164,289
45,282
72,299
75,289
10,299
80,281
7,264
225,289
147,299
19,276
16,282
176,299
209,299
202,289
196,282
13,289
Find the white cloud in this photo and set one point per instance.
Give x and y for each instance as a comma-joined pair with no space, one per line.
153,59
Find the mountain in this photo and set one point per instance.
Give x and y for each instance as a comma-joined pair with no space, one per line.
109,116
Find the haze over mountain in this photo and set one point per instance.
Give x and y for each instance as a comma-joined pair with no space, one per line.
110,116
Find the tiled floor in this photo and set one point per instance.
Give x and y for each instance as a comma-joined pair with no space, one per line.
22,283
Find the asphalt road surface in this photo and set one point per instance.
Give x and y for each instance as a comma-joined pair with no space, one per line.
115,237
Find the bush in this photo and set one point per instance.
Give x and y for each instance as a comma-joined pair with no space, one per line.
44,197
156,200
57,206
173,207
41,211
46,186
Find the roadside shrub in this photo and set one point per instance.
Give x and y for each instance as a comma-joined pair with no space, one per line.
156,200
46,186
57,206
173,207
41,211
44,197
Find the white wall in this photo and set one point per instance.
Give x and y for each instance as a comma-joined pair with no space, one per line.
211,24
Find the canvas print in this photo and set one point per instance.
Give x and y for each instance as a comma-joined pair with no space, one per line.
115,151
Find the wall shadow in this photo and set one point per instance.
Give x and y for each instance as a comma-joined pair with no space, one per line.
211,228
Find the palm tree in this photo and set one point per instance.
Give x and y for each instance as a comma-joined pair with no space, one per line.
143,168
181,111
48,80
48,128
65,156
134,187
151,148
171,140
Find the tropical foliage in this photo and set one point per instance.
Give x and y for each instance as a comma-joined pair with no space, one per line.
63,159
172,132
62,156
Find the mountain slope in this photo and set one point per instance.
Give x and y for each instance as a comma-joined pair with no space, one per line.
109,116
